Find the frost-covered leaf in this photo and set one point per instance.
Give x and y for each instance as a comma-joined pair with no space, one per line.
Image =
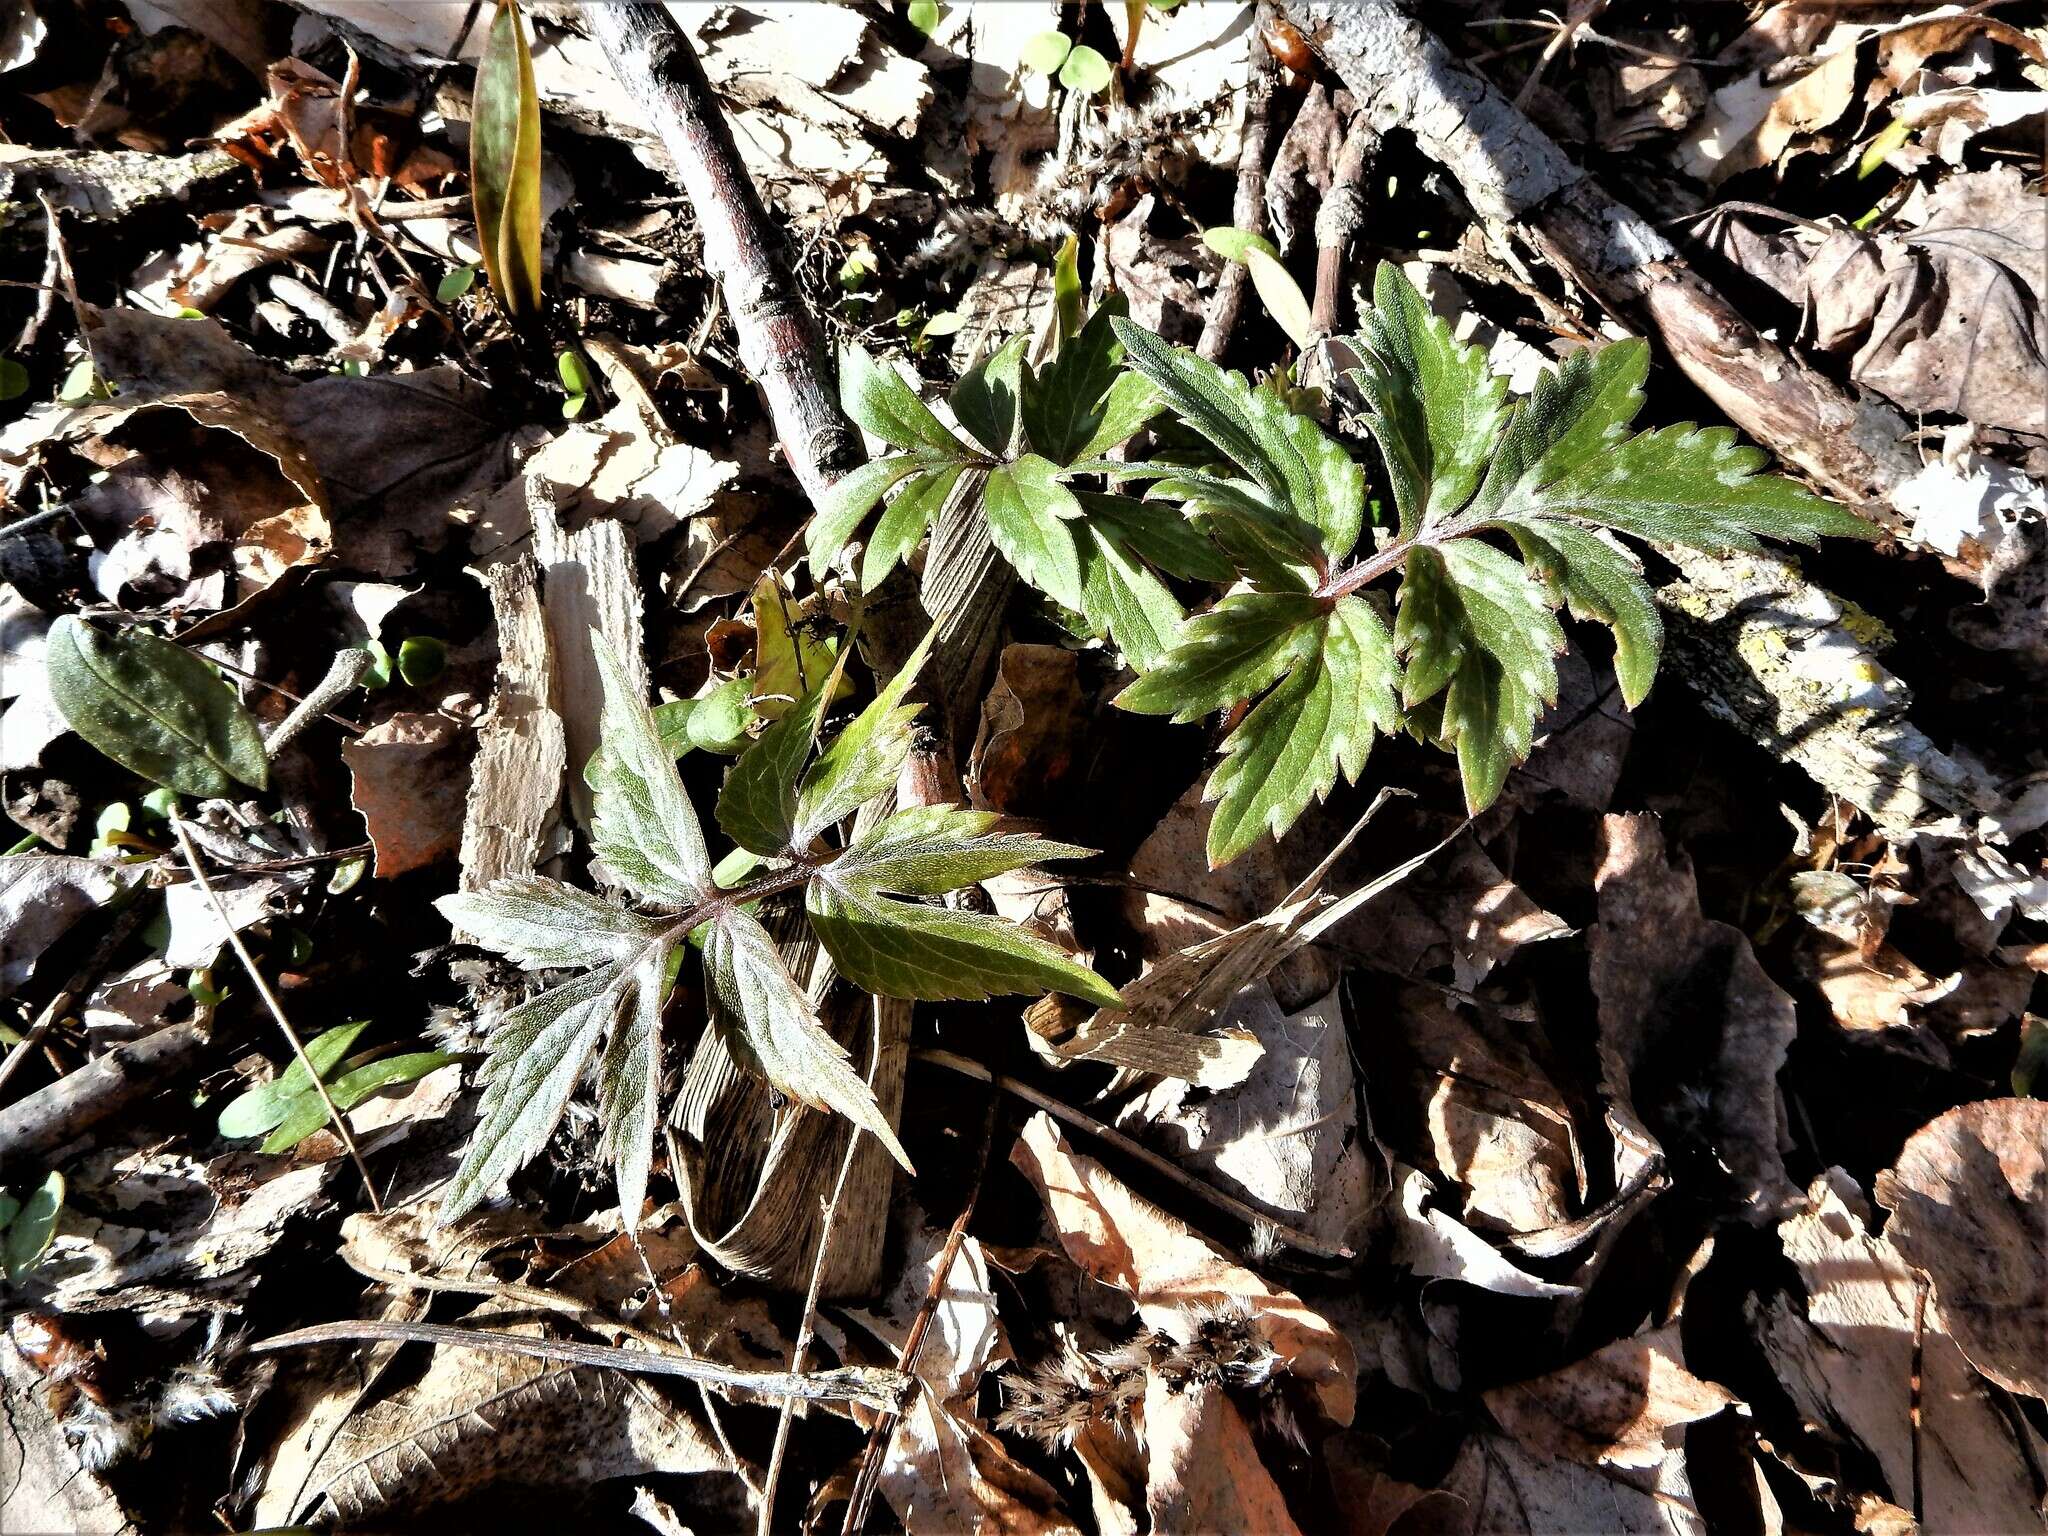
644,827
770,1023
538,1052
154,708
543,924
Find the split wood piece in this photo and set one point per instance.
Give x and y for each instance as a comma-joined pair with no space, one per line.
1248,207
780,344
1512,173
34,1128
515,786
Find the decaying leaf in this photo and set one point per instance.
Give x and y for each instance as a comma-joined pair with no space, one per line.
1693,1032
1617,1407
1968,1197
1171,1273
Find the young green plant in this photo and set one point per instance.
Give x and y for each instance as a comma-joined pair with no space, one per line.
1468,660
782,803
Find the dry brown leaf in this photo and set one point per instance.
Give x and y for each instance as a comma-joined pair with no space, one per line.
1172,1272
1509,1491
41,896
1969,1204
1372,1503
1692,1031
1849,1357
1613,1408
1496,1122
1286,1136
409,777
1203,1471
1431,1241
1946,316
1034,717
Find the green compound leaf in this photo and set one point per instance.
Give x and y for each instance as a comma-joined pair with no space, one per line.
1028,514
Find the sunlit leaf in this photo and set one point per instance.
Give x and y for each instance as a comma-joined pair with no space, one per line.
504,164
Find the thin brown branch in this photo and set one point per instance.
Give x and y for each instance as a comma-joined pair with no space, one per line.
1248,207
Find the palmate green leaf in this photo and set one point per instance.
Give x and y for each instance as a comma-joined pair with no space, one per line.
852,497
900,948
878,399
758,806
1474,622
1121,597
1028,513
1599,580
769,1023
985,399
154,708
645,830
899,529
1073,409
1303,473
1436,408
1318,722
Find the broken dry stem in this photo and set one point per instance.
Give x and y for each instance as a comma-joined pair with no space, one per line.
876,1387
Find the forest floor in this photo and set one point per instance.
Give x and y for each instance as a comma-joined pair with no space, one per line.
1600,1108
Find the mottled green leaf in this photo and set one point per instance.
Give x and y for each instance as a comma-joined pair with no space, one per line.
1234,651
878,399
852,497
864,759
154,708
903,525
758,806
985,399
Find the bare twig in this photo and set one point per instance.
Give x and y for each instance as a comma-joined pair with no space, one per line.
779,341
124,925
1251,1216
1248,207
877,1450
1581,14
1339,220
39,1124
877,1387
270,1001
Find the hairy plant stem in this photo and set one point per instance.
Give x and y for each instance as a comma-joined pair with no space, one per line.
1371,569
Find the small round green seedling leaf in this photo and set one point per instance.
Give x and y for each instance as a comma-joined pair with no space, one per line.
28,1234
946,324
458,281
1046,52
924,15
13,379
378,673
575,377
1230,242
348,874
1085,71
155,708
81,384
421,659
159,803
